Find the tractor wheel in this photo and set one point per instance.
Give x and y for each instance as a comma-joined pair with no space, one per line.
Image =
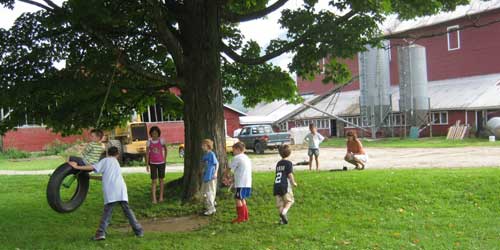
67,188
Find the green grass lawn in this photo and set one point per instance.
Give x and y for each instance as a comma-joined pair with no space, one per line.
31,164
376,209
48,163
396,142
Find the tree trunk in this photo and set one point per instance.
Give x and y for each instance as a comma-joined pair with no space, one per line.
202,94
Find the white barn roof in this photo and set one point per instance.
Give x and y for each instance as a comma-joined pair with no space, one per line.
467,93
393,26
269,113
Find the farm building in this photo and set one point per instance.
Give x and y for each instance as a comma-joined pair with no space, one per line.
35,137
461,52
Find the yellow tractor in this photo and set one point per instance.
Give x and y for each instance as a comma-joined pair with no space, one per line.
130,140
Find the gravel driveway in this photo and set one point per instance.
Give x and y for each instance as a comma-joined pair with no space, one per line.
379,158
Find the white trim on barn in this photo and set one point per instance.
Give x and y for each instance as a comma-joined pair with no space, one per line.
449,31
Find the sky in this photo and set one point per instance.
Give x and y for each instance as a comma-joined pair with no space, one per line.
265,29
251,30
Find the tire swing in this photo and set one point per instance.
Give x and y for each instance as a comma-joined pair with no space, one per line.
63,194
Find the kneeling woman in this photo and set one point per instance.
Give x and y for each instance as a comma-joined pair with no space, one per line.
356,154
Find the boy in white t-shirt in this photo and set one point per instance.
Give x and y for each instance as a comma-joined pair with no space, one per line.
114,190
242,167
313,139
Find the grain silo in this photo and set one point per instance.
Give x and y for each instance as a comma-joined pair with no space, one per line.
414,100
375,88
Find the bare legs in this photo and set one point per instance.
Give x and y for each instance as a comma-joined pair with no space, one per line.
349,157
316,158
310,162
153,190
162,188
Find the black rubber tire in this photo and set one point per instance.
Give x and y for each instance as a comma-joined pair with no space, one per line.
259,147
55,184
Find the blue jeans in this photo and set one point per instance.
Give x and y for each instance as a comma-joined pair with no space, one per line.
106,218
79,160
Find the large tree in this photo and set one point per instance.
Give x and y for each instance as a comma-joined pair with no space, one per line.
139,49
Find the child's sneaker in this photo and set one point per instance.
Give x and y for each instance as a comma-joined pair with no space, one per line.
99,237
284,218
209,212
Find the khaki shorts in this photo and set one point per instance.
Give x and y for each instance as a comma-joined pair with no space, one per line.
282,199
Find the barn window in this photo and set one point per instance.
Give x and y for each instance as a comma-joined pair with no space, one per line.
155,113
283,126
352,120
439,118
453,37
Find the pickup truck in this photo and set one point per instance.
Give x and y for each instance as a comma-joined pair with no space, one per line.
262,137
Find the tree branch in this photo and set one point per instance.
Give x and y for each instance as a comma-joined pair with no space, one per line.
52,4
287,47
254,61
166,36
45,7
170,82
121,58
236,18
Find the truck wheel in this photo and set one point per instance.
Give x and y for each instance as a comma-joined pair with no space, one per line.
67,188
259,147
181,152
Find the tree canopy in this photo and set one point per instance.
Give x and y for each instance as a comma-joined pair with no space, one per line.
138,46
139,49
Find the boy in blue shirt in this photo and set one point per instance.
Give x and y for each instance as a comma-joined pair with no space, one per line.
209,185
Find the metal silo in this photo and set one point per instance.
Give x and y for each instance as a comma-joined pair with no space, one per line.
414,100
494,126
375,87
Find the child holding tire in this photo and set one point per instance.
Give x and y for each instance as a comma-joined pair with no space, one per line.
156,155
114,192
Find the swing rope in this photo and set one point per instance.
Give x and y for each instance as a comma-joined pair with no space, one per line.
106,98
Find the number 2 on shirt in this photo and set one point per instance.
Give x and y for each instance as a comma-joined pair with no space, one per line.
278,177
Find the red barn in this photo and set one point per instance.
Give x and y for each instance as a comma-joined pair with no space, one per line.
462,50
36,138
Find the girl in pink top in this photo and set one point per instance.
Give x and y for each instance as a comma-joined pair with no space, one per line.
156,155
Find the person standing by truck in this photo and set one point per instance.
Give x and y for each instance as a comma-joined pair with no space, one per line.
313,139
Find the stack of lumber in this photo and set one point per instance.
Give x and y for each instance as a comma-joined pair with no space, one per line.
457,131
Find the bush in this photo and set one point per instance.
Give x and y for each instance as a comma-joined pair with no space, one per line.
134,164
56,148
13,153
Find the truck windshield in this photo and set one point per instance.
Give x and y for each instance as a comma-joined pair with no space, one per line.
139,132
